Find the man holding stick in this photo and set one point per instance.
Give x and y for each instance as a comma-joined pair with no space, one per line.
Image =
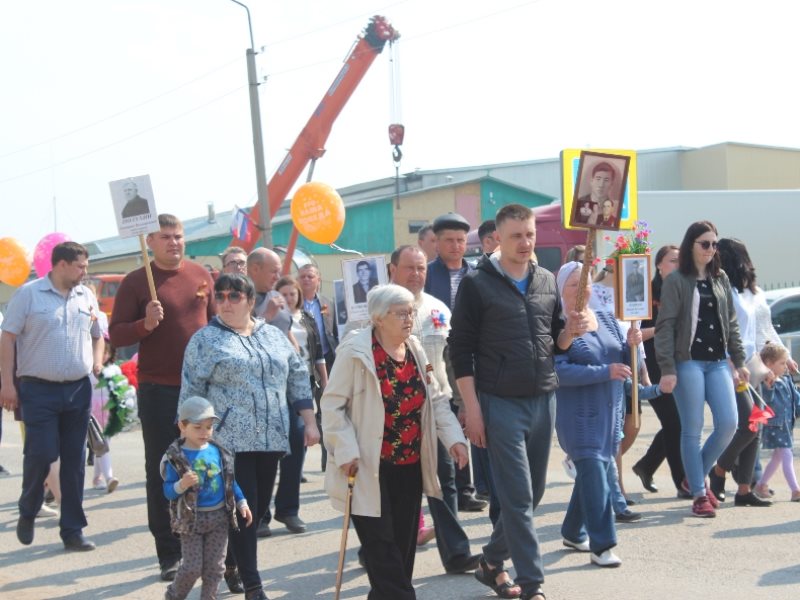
162,326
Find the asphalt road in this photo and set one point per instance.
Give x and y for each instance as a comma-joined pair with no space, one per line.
744,553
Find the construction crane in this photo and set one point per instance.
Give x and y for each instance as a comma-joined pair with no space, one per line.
310,144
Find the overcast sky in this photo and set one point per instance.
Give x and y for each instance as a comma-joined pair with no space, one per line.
99,90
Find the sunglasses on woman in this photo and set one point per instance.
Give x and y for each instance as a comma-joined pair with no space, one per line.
234,296
705,244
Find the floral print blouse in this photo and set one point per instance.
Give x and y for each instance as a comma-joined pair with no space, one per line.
403,394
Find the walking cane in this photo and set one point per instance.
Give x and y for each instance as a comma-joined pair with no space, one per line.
351,481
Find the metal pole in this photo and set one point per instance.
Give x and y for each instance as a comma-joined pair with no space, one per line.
264,220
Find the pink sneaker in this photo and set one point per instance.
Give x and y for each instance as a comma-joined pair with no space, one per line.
425,535
702,508
711,497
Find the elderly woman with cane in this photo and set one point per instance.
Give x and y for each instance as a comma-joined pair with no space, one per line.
382,413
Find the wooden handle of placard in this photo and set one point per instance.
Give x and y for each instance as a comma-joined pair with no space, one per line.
148,270
635,380
588,258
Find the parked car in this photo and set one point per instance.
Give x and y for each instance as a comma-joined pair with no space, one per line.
784,305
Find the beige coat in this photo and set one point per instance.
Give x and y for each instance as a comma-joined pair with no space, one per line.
352,422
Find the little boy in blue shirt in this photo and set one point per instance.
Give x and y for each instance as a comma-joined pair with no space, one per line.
199,483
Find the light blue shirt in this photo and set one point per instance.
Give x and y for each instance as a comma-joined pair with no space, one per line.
54,332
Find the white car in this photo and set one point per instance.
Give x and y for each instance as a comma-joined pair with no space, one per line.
784,304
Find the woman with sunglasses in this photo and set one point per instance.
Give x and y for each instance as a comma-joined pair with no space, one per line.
696,333
253,376
381,414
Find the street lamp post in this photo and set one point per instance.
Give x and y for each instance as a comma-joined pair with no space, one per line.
264,220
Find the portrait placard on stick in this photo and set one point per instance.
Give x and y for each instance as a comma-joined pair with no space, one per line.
360,276
134,205
598,195
633,300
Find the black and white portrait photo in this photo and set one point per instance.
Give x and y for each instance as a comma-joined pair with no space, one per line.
633,283
360,276
134,207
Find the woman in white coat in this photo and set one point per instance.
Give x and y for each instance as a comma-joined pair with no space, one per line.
381,414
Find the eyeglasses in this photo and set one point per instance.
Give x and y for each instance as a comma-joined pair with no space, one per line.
234,297
239,264
404,315
705,245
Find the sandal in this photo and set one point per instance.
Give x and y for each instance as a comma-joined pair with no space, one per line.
533,594
488,577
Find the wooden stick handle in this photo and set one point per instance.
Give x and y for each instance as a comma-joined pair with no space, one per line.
147,268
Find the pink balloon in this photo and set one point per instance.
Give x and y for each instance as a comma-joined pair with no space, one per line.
44,252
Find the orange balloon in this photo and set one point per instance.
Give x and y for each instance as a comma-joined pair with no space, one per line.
14,264
318,212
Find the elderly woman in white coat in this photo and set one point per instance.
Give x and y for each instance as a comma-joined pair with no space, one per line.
381,414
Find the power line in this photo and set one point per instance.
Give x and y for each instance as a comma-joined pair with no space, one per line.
121,112
120,141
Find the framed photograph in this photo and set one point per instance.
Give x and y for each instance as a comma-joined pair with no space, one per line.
360,276
134,206
634,299
599,192
340,301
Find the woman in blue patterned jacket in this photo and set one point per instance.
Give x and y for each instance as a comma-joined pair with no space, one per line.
253,376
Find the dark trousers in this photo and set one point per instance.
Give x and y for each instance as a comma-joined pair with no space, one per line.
158,409
389,542
287,498
255,474
451,541
667,442
56,418
743,447
480,460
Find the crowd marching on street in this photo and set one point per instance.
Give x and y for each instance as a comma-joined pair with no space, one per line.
447,396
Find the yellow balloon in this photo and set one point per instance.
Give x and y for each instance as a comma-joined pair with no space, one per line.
318,212
14,264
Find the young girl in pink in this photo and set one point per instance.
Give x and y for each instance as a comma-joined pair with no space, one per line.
782,396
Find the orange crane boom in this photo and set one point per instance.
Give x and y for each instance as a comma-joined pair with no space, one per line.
310,144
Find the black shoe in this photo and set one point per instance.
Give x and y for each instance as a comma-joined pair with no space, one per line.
463,564
293,523
233,580
78,543
303,479
263,530
361,560
482,496
717,484
630,501
255,595
471,504
684,495
750,499
628,517
647,479
25,530
49,497
169,570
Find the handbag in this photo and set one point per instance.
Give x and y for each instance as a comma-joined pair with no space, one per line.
97,441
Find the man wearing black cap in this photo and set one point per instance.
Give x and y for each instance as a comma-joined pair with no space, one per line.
445,273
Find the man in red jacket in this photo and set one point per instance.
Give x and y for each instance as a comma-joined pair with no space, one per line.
162,328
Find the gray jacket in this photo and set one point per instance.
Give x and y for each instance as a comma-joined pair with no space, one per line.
677,320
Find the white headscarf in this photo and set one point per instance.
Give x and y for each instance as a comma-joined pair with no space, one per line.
564,272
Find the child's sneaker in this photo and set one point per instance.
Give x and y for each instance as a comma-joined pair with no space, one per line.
98,483
796,496
702,508
762,491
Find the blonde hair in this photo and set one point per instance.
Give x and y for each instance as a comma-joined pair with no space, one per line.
773,353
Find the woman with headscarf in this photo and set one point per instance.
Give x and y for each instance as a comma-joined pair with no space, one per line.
382,413
589,416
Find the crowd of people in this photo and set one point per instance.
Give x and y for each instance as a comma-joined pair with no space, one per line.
456,382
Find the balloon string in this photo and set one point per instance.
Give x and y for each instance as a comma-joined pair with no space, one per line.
340,249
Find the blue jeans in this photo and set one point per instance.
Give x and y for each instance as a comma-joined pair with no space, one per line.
519,432
589,512
56,417
700,382
618,502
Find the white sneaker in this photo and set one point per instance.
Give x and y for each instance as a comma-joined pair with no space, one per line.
569,467
579,546
606,559
46,511
112,485
99,484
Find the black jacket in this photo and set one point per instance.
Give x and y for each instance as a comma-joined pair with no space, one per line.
502,338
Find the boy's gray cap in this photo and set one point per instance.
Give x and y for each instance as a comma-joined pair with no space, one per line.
195,410
450,221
